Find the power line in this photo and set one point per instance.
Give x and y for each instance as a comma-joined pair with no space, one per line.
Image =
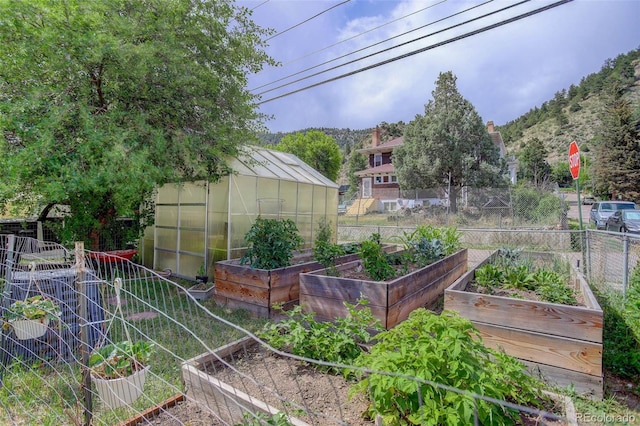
376,44
424,49
460,24
307,20
263,3
365,32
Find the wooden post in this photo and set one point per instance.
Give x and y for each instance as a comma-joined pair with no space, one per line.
81,288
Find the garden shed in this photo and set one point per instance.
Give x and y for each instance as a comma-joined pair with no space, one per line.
199,223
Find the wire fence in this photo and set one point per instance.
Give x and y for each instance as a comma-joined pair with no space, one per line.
487,208
199,371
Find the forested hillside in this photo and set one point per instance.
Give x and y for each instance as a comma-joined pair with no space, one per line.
346,138
575,112
541,137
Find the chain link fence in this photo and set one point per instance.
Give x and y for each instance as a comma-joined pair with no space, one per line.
512,207
611,259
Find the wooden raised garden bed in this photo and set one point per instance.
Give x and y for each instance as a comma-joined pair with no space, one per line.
561,343
206,381
258,290
390,301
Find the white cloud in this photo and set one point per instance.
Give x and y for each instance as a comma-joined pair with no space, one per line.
503,72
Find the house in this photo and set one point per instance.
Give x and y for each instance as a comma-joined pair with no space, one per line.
512,162
378,185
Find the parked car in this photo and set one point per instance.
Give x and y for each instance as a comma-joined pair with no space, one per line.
601,210
588,199
624,221
342,209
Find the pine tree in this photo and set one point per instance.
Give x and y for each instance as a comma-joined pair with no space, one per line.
449,146
617,151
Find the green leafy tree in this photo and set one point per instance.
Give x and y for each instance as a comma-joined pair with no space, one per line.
315,148
561,174
447,146
101,102
356,163
533,162
616,162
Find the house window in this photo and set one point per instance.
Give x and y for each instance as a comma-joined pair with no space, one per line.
377,160
394,179
378,179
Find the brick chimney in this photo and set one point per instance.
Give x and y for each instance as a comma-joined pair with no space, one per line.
375,141
490,128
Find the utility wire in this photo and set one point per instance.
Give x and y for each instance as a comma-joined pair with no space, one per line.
307,20
433,46
477,18
370,46
264,2
364,32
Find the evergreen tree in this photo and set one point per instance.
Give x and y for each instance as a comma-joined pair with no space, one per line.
533,163
617,150
448,146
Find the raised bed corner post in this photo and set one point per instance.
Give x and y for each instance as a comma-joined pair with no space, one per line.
81,287
6,296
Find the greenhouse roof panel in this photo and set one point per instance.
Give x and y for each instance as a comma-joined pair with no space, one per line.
262,162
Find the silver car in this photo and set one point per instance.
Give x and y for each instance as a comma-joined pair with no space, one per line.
601,211
624,221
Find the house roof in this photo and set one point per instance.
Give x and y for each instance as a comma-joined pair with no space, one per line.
387,146
383,169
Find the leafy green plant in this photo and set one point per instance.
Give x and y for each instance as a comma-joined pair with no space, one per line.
271,243
551,286
489,275
442,349
324,251
35,308
449,237
425,251
375,261
120,359
518,277
340,341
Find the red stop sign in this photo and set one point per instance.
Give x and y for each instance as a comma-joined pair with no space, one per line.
574,160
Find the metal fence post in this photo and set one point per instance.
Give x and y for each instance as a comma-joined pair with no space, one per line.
81,286
625,265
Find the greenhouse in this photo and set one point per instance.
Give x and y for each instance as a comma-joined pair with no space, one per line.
199,223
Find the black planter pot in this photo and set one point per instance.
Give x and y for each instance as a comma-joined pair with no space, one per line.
202,278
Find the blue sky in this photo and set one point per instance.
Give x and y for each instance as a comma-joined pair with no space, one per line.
503,72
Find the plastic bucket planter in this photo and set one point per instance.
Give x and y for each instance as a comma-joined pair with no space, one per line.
116,393
29,329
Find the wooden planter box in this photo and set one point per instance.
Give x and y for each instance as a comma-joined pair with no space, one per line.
561,343
390,301
258,290
230,403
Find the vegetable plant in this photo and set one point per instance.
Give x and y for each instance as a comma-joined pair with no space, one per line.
35,308
511,272
324,250
120,359
442,349
271,243
340,341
